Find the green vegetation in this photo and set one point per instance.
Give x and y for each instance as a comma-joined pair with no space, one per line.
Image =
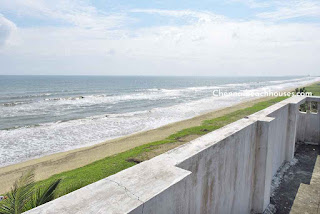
300,90
77,178
315,89
69,181
25,195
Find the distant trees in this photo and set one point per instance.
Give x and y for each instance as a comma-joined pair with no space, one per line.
300,90
312,106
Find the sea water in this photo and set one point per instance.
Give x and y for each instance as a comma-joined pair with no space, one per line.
41,115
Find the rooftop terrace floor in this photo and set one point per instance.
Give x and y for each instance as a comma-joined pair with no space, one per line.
299,190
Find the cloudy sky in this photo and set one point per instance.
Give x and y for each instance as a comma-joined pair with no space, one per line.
167,37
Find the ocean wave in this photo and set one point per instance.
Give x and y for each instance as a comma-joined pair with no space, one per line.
143,94
14,103
22,127
25,142
100,98
190,89
25,96
28,142
60,104
288,81
64,98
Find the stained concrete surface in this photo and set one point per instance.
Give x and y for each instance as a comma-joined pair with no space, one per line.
297,176
228,170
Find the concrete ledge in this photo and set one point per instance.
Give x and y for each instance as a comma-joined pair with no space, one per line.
307,200
308,197
226,171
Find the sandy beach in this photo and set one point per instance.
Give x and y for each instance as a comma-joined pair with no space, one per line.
52,164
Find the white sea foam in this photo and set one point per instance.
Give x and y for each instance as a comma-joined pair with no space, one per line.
35,141
53,104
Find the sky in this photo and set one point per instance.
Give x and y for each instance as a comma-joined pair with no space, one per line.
167,37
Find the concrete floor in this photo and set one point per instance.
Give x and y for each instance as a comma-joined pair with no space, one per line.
294,194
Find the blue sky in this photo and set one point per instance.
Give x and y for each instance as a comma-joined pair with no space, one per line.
205,37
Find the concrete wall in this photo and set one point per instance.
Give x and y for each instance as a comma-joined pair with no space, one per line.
226,171
278,136
308,126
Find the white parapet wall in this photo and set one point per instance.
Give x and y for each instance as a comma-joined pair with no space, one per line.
226,171
309,123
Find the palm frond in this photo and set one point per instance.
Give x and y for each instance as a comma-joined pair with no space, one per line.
24,195
24,190
43,195
19,195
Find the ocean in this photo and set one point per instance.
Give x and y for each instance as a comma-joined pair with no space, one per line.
41,115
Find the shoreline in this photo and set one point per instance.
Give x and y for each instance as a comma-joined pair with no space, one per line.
49,165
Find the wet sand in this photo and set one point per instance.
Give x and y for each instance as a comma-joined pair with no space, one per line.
56,163
52,164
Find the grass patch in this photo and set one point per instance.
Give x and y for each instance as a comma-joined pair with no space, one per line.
315,89
80,177
77,178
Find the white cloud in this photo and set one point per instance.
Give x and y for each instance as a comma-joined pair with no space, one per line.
207,44
292,9
254,3
203,16
78,13
206,49
276,10
6,29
